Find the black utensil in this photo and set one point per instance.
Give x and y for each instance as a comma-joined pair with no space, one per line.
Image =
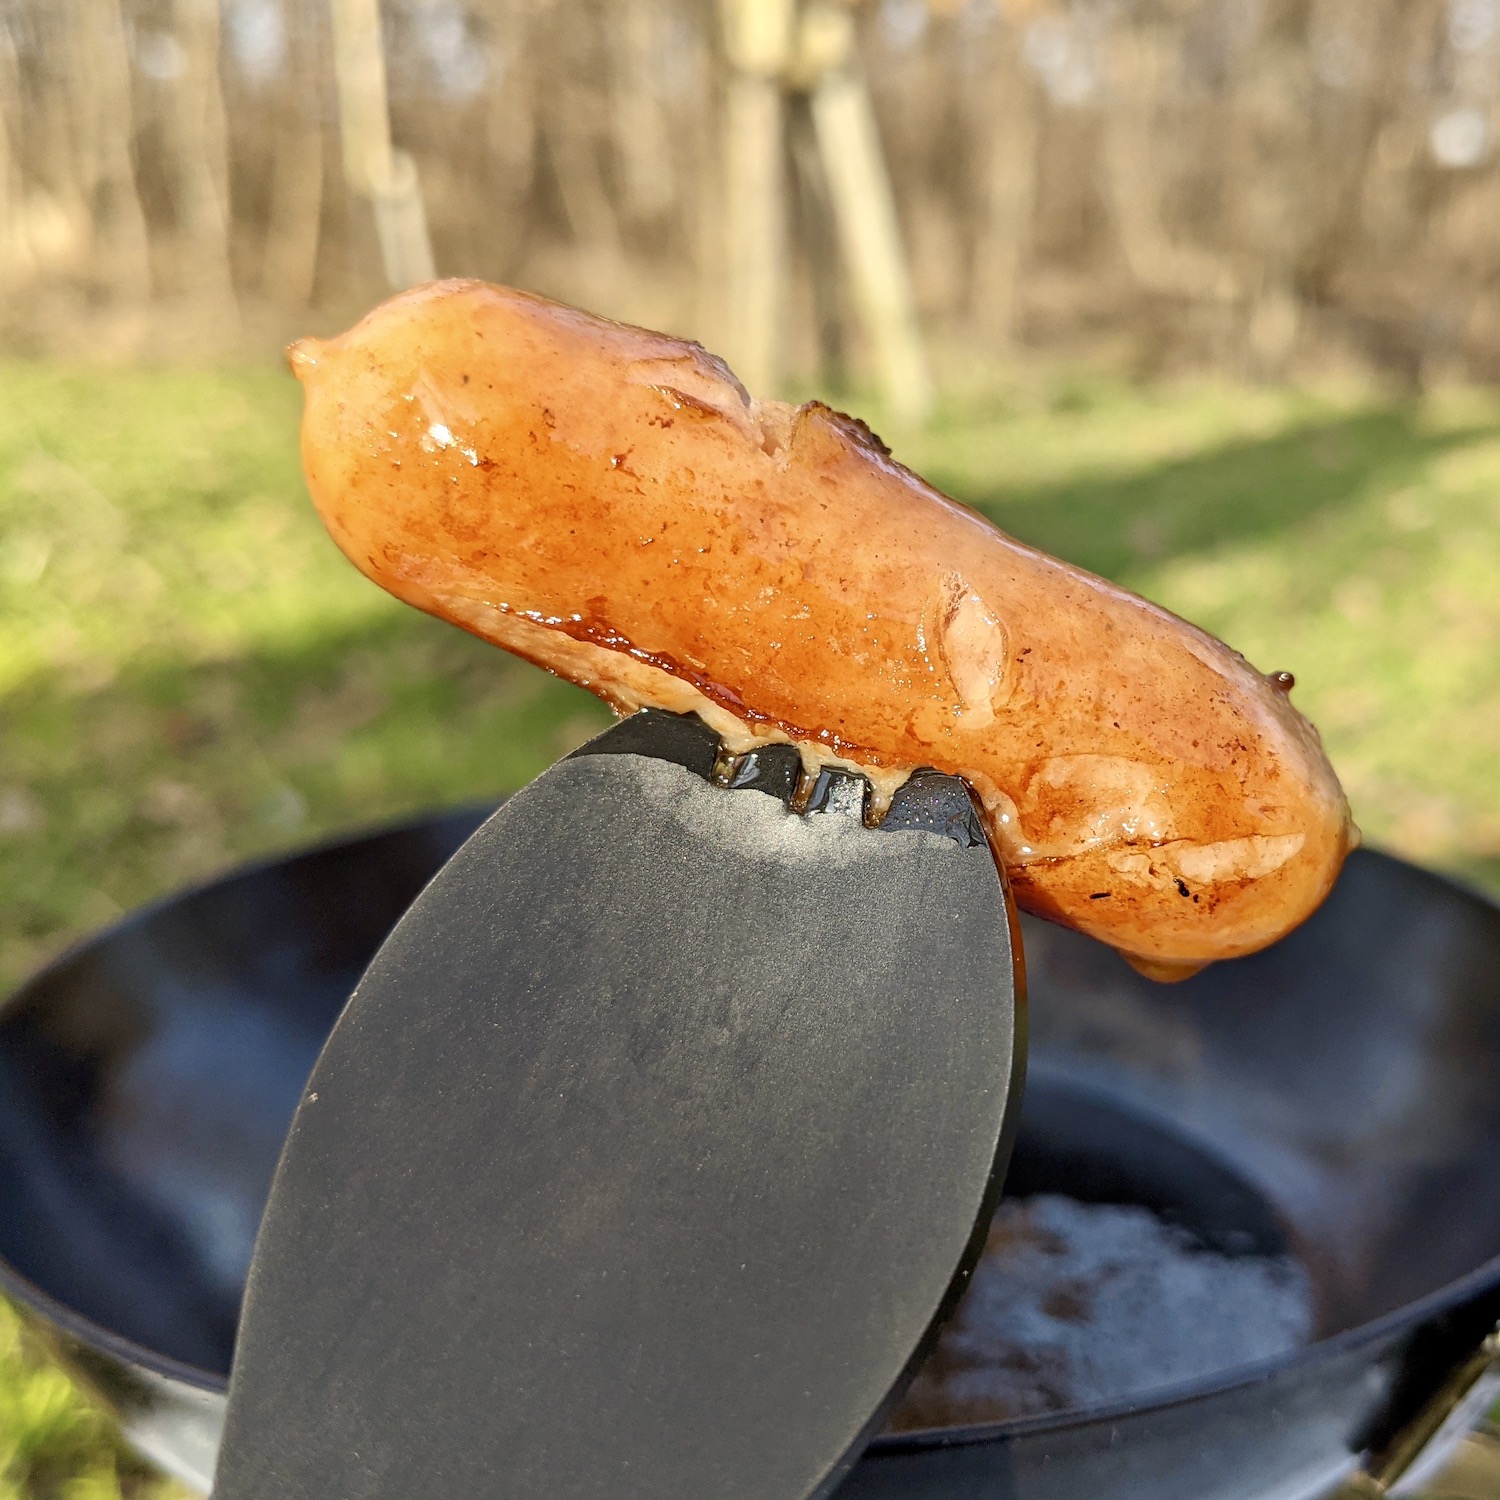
649,1152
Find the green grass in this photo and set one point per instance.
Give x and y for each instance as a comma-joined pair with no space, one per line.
55,1444
190,674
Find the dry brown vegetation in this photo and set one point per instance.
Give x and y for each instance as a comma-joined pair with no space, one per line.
1263,185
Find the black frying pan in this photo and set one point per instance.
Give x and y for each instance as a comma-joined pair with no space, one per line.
1341,1091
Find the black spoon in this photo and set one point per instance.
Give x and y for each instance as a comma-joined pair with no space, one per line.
649,1152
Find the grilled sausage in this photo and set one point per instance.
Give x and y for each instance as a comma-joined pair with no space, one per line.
610,504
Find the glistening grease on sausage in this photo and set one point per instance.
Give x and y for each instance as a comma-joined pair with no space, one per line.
610,504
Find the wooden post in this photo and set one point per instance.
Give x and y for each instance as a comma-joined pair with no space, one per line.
758,38
371,165
865,209
401,224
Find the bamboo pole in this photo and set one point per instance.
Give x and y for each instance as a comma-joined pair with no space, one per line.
372,166
865,209
758,39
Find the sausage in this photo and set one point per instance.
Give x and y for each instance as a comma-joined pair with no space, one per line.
610,504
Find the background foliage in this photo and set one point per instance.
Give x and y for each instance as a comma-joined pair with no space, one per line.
1254,186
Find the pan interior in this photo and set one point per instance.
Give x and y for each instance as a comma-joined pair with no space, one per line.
148,1080
1349,1076
1124,1259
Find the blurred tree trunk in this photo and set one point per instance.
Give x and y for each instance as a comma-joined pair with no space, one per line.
1273,214
196,145
924,74
372,166
1268,173
865,212
641,131
15,251
575,121
816,239
758,41
295,178
290,261
1011,129
1368,44
1143,59
364,110
511,109
101,169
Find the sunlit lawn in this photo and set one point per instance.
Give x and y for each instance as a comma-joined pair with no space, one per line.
189,673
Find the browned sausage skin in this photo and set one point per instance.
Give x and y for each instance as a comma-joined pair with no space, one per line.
610,504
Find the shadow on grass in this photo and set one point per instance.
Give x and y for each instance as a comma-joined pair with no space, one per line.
175,770
1245,490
